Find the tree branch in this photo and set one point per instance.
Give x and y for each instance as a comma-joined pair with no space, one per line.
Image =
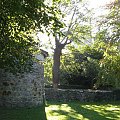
57,40
68,31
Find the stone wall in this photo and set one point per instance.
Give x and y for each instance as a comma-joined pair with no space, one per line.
81,95
22,90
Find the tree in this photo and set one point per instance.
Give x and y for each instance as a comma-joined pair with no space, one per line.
108,40
71,32
102,55
19,22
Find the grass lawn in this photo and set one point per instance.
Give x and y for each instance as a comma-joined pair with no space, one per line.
23,114
82,111
65,111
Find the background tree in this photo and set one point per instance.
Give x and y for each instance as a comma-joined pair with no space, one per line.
108,40
72,31
93,58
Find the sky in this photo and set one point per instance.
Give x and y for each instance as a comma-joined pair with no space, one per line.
97,5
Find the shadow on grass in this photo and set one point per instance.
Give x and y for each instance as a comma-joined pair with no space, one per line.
80,111
65,111
23,113
96,111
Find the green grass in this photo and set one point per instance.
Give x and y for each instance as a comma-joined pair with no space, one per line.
82,111
23,114
65,111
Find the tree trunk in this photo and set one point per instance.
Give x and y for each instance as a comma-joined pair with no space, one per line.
56,61
56,67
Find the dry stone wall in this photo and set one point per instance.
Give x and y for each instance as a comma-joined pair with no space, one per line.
22,90
80,95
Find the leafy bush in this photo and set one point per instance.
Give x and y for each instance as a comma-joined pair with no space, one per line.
78,69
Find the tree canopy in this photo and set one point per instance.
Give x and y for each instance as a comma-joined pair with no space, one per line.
92,64
20,20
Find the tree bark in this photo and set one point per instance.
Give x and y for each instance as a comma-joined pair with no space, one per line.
56,67
56,61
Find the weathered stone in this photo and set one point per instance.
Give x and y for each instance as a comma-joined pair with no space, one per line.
22,90
5,83
80,95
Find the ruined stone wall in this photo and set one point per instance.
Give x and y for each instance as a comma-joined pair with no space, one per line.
80,95
22,90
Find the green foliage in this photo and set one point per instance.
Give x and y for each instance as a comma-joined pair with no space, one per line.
79,69
48,71
95,63
110,68
19,22
92,52
114,23
96,66
107,40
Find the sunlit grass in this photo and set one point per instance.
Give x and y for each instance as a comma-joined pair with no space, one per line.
65,111
60,112
82,111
